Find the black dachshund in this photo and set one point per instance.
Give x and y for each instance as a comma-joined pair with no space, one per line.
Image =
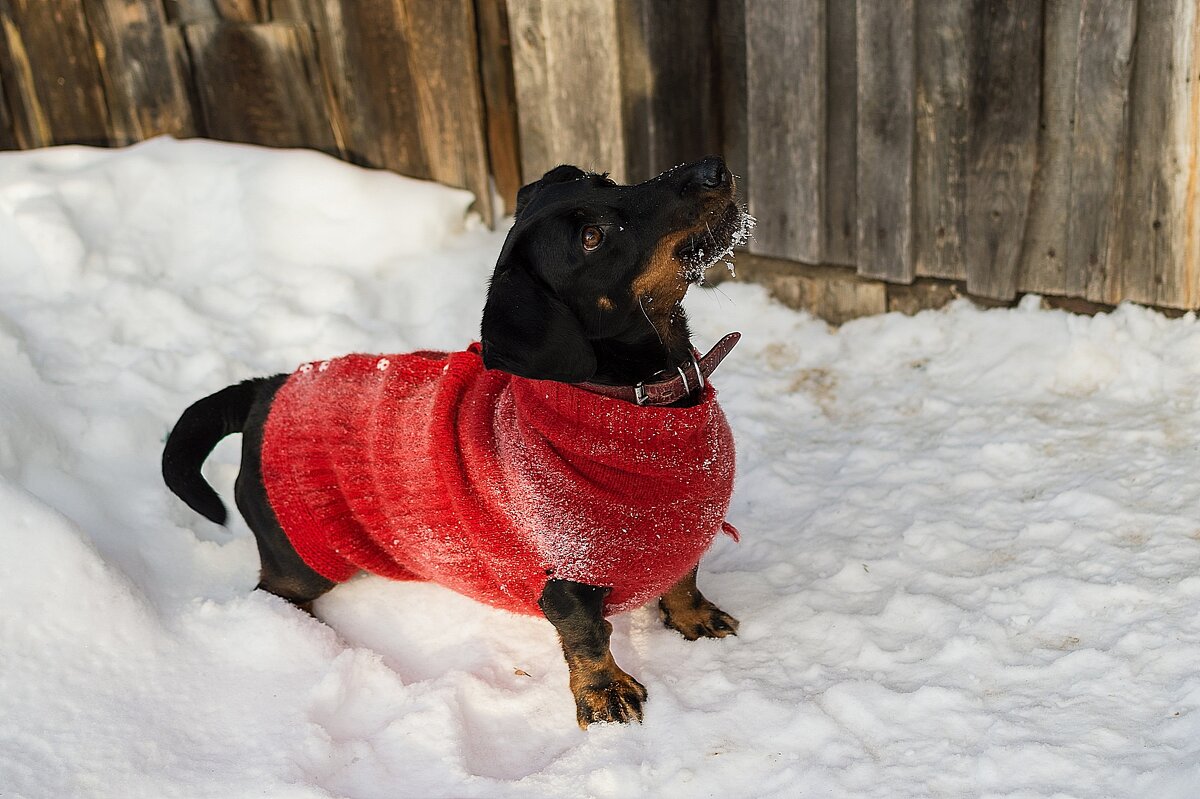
574,463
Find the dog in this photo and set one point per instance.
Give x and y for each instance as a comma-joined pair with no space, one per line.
573,463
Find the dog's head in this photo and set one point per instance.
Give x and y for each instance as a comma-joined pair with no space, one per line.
593,273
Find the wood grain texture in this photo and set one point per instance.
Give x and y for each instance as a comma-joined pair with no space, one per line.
785,82
444,64
1106,34
258,85
940,185
248,11
144,67
886,129
8,135
1002,140
51,75
1044,254
1157,245
669,84
840,235
499,98
189,12
731,59
568,85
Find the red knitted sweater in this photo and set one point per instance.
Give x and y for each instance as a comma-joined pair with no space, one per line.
428,466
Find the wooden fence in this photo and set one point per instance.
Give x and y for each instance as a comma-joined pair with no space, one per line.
421,87
1013,145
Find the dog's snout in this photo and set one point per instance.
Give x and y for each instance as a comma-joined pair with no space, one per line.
710,174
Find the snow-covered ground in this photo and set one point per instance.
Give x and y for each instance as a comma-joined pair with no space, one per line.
970,557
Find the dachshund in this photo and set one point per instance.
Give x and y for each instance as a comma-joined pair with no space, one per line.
573,463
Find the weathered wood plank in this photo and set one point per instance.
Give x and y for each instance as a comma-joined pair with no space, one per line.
195,12
444,63
258,84
886,128
1157,244
1002,140
142,63
1044,254
249,11
785,82
839,244
8,134
833,293
531,79
499,98
1182,284
366,63
731,57
569,95
190,12
1106,34
50,70
940,149
669,84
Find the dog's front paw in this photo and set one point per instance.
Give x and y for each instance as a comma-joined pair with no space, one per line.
701,620
608,695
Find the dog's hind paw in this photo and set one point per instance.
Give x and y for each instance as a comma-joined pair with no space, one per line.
703,620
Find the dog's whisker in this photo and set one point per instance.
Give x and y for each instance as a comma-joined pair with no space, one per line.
649,321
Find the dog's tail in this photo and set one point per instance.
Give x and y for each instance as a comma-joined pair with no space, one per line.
195,434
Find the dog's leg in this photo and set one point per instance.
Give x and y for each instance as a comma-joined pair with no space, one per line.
685,610
603,692
282,571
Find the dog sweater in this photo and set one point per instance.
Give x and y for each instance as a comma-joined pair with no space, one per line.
427,466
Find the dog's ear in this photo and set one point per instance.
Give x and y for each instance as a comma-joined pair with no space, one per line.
527,331
560,174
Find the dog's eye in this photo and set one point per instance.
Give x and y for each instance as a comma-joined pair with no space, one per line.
591,237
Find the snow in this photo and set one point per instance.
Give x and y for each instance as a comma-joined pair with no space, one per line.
968,567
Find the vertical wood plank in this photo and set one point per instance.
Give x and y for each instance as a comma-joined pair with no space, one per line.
1182,284
499,98
531,80
257,84
785,83
886,128
1002,141
365,62
940,186
8,134
839,245
444,62
731,59
1158,210
1106,33
569,93
669,83
189,12
50,70
1044,254
248,11
145,77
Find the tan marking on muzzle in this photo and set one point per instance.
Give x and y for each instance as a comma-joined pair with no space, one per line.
660,286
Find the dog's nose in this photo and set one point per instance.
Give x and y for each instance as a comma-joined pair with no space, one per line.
709,174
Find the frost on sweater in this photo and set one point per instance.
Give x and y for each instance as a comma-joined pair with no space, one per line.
427,466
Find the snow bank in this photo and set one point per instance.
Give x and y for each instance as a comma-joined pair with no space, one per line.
968,565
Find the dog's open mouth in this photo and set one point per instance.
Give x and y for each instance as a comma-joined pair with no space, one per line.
714,243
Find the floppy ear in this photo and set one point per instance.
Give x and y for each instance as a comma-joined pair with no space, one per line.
529,332
560,174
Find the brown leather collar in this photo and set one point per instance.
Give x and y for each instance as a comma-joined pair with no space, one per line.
688,376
